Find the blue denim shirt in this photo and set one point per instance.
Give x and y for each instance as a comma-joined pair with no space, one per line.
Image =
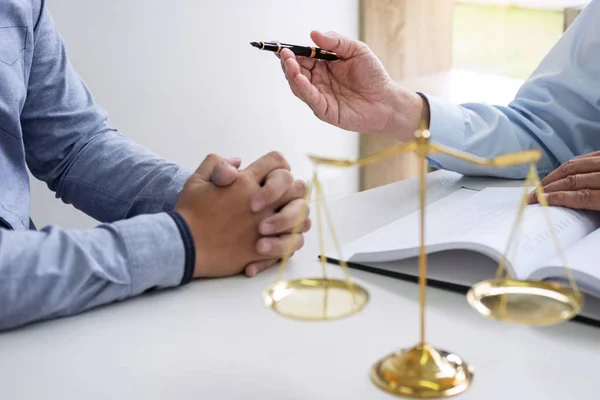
50,123
557,110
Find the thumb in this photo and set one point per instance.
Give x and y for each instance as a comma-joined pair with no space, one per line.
219,168
343,46
225,173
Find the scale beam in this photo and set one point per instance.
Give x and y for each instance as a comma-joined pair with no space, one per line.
422,371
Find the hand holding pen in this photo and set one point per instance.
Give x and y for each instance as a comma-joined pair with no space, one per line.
355,93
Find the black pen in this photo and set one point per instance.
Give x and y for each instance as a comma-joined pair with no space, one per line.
305,51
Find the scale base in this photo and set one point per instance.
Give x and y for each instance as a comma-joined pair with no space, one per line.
535,303
422,372
316,299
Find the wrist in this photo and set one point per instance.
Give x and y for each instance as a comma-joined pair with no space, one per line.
409,109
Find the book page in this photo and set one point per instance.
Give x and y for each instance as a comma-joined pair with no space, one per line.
478,221
582,259
451,266
402,234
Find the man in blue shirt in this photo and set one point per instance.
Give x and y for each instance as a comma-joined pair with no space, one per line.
161,225
557,110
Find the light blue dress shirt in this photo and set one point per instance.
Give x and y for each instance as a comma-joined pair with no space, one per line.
50,123
557,110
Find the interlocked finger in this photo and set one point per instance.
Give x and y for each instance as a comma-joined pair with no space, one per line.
276,247
293,213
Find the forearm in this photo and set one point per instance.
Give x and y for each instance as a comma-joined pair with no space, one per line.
557,110
70,145
55,273
478,129
110,178
489,131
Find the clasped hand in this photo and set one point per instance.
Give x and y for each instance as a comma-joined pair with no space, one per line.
242,220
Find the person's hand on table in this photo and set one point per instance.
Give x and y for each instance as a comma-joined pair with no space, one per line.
242,220
575,184
279,184
354,93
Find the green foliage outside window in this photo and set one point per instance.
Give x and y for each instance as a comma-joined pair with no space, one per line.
503,40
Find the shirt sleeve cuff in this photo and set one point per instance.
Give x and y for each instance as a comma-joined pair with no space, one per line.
446,121
188,244
157,256
447,127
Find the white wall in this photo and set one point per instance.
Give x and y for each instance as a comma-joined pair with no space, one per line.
161,69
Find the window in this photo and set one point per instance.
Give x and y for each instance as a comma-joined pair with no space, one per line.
503,37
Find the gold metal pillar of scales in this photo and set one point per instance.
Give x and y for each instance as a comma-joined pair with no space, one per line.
423,371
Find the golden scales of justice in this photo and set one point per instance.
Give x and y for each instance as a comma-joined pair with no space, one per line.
422,371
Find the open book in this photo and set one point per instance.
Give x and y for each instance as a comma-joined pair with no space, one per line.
466,235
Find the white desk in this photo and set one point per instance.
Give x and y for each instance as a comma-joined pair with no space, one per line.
215,340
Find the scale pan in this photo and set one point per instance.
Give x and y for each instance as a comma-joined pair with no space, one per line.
316,299
525,302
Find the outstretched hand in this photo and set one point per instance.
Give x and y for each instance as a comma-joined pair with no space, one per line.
355,93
